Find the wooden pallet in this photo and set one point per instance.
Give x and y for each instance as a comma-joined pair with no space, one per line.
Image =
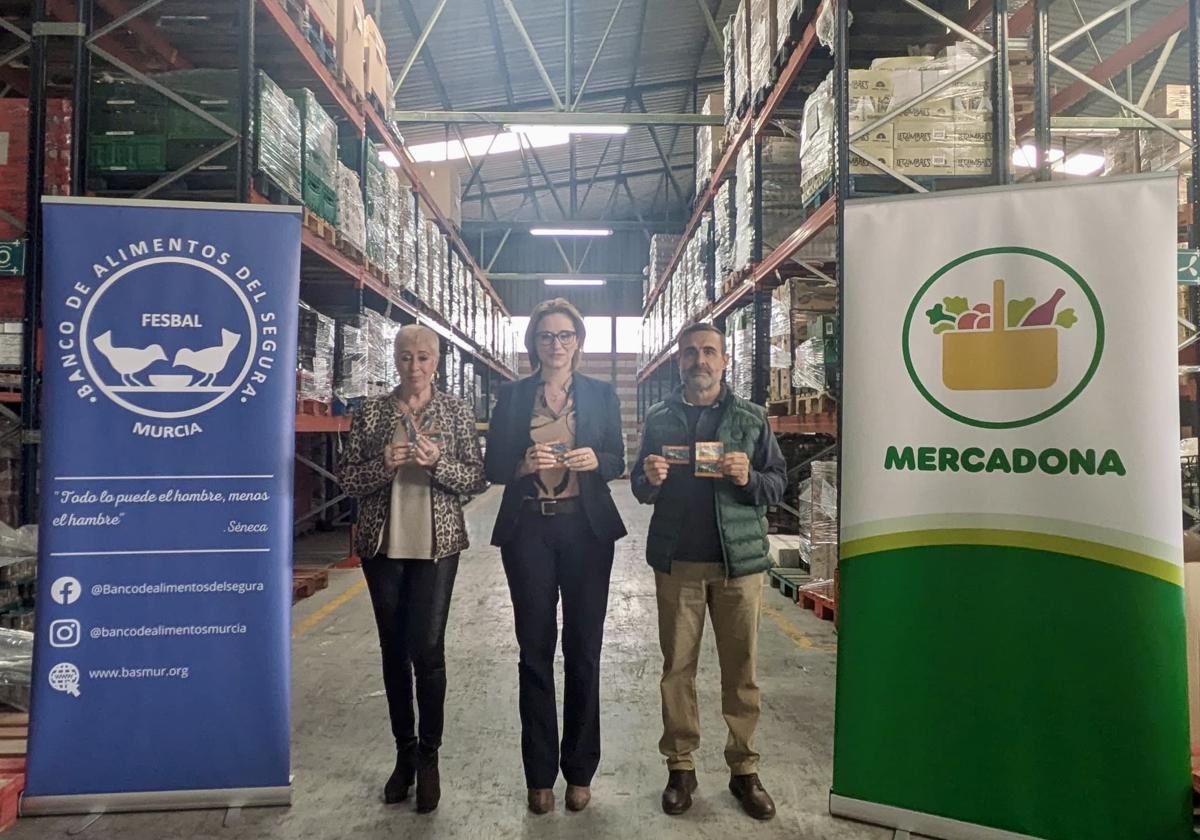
321,227
354,93
779,408
274,193
12,765
313,408
307,582
822,602
350,250
377,272
813,404
789,581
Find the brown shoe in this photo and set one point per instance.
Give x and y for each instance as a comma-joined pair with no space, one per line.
578,797
541,800
755,800
677,797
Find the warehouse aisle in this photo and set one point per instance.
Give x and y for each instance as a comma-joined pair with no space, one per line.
342,751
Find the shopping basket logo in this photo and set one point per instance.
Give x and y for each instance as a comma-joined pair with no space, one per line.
1003,337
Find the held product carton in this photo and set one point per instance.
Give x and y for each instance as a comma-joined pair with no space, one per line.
934,160
351,43
377,78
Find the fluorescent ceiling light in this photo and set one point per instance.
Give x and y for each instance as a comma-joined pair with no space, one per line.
570,231
1081,163
388,159
1026,156
574,282
535,130
506,142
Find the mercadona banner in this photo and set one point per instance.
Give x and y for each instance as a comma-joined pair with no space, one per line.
161,657
1011,647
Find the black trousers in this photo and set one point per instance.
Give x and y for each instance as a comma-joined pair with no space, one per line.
412,600
549,556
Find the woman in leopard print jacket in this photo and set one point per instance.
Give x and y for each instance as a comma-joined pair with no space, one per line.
413,457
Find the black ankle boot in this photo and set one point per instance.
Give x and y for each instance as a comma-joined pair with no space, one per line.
429,784
397,787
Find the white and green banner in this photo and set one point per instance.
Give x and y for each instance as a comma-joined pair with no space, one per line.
1011,648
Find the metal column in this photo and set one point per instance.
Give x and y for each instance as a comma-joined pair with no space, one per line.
245,169
760,375
1040,46
1001,113
1194,80
842,76
80,99
34,186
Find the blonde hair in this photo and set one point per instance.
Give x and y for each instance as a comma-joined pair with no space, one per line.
417,333
554,306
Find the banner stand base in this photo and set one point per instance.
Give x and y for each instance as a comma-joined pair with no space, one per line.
915,822
167,800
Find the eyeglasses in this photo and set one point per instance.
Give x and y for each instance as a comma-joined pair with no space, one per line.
566,338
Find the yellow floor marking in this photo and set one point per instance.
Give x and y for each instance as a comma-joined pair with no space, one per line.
320,615
793,632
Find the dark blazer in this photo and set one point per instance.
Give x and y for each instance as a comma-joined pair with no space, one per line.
597,424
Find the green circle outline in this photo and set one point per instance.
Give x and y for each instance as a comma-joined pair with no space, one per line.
1036,418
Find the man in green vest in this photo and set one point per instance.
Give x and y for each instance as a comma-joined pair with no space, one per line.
708,548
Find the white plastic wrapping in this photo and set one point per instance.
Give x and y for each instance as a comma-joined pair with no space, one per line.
314,355
785,11
762,45
724,219
352,223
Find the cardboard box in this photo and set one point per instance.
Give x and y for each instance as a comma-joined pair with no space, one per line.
937,108
324,13
763,36
351,43
444,185
1173,101
915,160
973,133
884,135
874,83
376,76
972,160
860,166
923,132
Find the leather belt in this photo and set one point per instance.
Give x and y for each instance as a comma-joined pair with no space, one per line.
553,507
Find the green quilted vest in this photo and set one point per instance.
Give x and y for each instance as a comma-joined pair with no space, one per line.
743,527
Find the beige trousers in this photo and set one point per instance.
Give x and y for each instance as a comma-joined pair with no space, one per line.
684,596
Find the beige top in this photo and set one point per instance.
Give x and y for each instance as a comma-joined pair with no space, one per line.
546,426
410,517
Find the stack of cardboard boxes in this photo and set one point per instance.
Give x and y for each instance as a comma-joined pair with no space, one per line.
950,133
1153,150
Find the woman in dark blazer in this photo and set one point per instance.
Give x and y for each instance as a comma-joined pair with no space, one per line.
555,443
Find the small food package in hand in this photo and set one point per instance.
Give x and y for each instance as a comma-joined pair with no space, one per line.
559,450
677,455
708,458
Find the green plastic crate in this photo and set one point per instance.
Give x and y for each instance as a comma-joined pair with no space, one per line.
139,153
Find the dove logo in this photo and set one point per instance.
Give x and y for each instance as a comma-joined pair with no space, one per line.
1003,337
169,338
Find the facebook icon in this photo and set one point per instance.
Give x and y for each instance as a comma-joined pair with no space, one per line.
65,590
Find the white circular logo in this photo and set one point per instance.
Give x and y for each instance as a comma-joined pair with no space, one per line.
64,677
65,590
168,337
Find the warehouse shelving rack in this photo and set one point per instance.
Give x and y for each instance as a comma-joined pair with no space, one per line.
656,378
262,34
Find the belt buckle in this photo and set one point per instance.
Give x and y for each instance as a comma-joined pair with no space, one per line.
544,511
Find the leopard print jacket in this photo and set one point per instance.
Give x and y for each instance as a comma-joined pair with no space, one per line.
457,476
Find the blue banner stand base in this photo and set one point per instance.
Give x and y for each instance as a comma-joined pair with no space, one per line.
914,822
167,800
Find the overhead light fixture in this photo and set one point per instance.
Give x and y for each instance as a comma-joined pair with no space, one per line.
566,282
388,158
1026,156
570,231
1081,163
569,129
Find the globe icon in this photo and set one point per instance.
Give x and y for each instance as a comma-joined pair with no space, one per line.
65,677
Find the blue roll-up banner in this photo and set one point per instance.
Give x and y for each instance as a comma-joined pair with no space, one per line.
161,661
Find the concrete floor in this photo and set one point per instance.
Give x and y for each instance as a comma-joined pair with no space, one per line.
342,750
